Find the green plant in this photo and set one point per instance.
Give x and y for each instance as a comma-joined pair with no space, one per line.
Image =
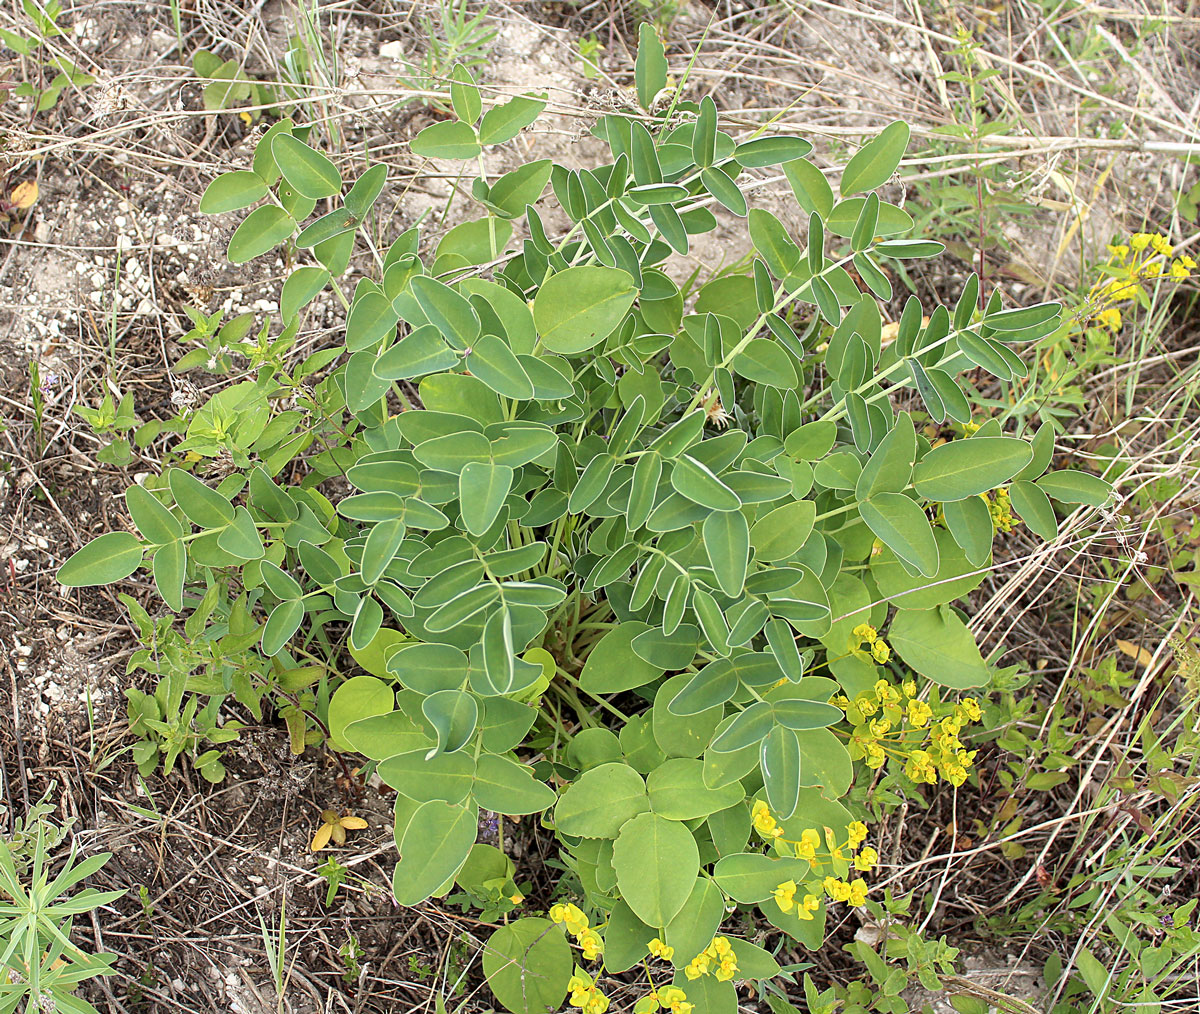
111,419
589,49
39,964
697,561
228,86
66,74
351,953
452,37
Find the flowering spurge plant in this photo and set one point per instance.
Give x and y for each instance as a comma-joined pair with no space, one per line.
678,546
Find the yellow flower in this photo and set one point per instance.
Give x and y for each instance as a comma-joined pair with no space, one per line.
919,713
810,841
591,943
807,907
1119,251
972,708
838,890
875,755
1187,262
719,947
1160,245
575,921
517,898
880,728
857,832
1139,241
335,826
880,652
909,687
1110,318
920,767
698,966
785,895
865,632
661,950
674,999
1178,271
764,823
866,705
866,859
727,969
858,892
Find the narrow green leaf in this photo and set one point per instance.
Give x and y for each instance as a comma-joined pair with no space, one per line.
109,558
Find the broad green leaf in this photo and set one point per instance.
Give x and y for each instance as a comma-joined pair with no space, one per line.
482,489
445,776
1034,507
579,307
889,469
241,538
308,171
706,690
420,352
613,666
656,861
504,122
515,190
970,522
938,645
449,310
300,289
956,575
434,844
108,558
1068,485
464,94
695,925
696,481
453,715
726,538
750,877
262,230
157,524
202,506
677,790
366,191
383,541
504,786
873,164
283,622
962,468
170,568
650,67
765,362
903,527
810,187
768,151
771,240
600,801
625,939
232,191
724,189
528,964
448,139
681,735
493,362
429,668
779,759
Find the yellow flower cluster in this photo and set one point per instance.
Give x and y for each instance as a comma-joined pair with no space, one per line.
946,753
585,994
764,823
577,925
785,898
670,998
886,719
1000,508
717,958
660,950
868,644
1147,257
853,892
